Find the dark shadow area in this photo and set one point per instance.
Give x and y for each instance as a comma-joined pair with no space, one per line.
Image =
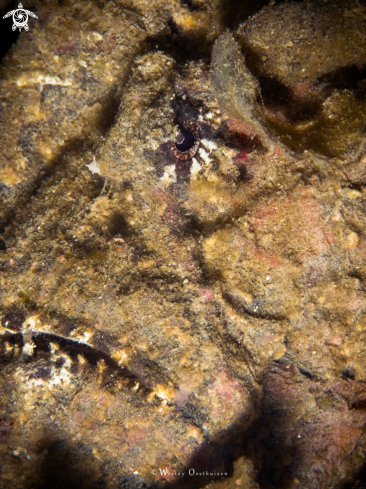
180,46
234,12
210,461
277,96
8,37
109,111
190,5
358,482
239,135
346,78
45,177
67,466
118,226
13,320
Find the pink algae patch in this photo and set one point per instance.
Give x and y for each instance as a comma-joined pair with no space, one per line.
302,91
270,260
68,48
272,210
239,127
295,223
136,437
207,294
278,151
229,397
264,340
242,155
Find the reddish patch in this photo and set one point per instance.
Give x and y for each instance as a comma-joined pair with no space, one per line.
69,296
264,340
352,391
242,155
136,437
5,426
302,90
263,213
302,217
358,256
312,212
183,170
316,440
42,18
165,473
278,151
170,214
239,134
69,48
162,195
239,127
107,44
208,294
271,260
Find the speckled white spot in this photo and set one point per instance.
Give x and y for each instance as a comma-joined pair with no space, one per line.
28,348
93,166
210,145
169,175
37,78
97,36
195,168
205,156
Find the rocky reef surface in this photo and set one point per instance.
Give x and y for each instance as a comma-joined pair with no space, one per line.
183,247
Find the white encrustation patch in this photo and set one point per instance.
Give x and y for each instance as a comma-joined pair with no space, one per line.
33,323
195,168
169,175
97,36
33,386
93,166
154,143
210,145
54,347
37,78
81,336
121,357
101,366
86,337
205,156
81,359
28,348
8,347
31,383
62,377
30,322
